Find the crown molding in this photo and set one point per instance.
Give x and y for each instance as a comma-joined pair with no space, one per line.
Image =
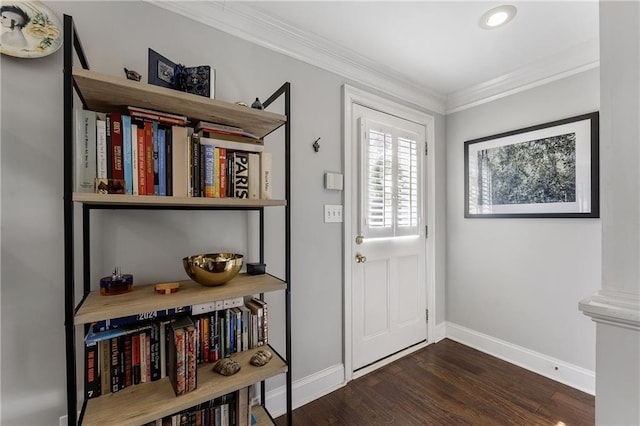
572,61
245,22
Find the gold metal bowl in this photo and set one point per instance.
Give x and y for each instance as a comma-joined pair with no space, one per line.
213,268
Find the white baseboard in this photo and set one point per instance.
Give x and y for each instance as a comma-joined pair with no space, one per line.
555,369
306,389
439,332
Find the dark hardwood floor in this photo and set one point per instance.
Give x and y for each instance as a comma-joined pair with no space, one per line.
449,384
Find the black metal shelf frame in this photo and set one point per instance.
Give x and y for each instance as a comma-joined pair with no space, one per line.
72,44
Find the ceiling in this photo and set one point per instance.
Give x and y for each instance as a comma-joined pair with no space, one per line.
432,53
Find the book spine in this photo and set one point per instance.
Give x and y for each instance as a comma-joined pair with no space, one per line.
156,158
191,359
206,324
135,363
181,371
104,352
142,316
241,175
121,363
254,176
134,159
209,171
163,119
216,172
85,147
142,163
127,156
222,171
101,142
155,352
92,384
180,173
162,162
195,164
214,338
109,146
169,161
116,145
148,157
266,164
115,358
128,360
147,355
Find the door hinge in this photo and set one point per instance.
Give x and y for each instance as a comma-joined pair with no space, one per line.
426,148
426,232
426,314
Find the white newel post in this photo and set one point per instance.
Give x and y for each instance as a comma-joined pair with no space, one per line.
616,307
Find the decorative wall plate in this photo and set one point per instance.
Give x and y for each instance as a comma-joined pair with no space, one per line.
29,29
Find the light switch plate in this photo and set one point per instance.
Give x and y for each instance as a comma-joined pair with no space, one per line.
332,213
333,181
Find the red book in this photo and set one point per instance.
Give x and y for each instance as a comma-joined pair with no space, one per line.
117,166
148,150
147,353
135,344
142,175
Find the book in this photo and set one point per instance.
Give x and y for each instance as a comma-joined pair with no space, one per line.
195,165
127,154
115,368
142,162
241,175
134,160
117,166
266,165
148,157
155,352
205,125
222,171
246,324
265,319
144,350
160,117
180,172
169,160
254,176
104,354
177,354
192,339
135,360
222,142
209,171
85,150
128,360
118,323
162,162
92,384
101,149
156,165
109,150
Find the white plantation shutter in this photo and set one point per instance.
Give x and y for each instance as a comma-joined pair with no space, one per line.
391,176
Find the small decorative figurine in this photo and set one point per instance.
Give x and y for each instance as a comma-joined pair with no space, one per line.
260,358
257,104
166,288
316,145
132,75
226,367
116,283
244,104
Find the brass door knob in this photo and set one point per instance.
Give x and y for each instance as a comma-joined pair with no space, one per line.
360,258
359,239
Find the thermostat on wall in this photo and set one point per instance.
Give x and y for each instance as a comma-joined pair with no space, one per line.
333,181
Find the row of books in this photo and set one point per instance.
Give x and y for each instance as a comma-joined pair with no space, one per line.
231,409
152,153
121,356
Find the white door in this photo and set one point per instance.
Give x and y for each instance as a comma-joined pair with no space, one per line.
388,247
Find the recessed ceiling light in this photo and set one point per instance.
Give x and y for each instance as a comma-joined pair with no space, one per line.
497,17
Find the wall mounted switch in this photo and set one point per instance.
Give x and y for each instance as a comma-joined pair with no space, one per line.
332,213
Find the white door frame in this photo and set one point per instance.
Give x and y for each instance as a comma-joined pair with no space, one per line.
350,96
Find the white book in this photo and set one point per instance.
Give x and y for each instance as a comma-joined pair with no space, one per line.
254,176
238,146
101,136
85,150
134,159
266,164
180,161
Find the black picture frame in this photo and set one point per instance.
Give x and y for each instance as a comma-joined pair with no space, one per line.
161,70
549,170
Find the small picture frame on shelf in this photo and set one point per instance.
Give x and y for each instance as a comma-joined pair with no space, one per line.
161,70
199,80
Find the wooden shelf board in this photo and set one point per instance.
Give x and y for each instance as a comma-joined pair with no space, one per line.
261,415
90,198
144,299
106,93
139,404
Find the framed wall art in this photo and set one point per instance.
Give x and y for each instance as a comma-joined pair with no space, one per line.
29,29
546,171
161,70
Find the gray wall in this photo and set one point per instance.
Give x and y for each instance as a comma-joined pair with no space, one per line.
519,280
151,244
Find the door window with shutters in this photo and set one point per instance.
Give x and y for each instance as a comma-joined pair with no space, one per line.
391,173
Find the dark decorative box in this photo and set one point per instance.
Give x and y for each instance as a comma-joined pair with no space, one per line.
196,80
255,268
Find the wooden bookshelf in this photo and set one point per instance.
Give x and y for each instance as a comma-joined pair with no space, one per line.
143,403
94,199
144,299
105,93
